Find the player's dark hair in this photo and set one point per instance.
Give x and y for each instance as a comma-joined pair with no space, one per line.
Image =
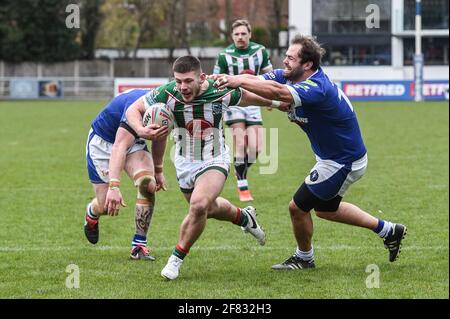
241,22
187,63
311,50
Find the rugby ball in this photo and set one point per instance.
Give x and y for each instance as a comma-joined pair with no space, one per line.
160,114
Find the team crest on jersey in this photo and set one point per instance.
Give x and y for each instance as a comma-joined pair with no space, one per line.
314,176
199,129
216,108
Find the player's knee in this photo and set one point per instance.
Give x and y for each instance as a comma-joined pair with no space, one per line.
146,186
199,206
213,209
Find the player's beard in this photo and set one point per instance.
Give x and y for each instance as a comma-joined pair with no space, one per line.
295,74
194,92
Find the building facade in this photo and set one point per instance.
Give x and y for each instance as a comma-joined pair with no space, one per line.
375,33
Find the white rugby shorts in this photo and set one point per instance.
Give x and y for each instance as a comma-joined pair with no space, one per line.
250,115
98,153
189,170
328,179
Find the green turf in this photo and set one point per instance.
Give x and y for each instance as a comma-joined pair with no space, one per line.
44,190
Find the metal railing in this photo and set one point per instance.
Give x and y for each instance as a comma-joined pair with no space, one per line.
73,87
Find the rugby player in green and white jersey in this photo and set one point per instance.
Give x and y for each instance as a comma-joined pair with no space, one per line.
202,159
244,57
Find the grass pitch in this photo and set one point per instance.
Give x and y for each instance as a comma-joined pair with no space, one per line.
44,190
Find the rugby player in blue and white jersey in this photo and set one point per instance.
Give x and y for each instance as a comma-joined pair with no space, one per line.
110,137
326,115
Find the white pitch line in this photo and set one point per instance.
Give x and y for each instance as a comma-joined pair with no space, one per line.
438,186
44,189
212,248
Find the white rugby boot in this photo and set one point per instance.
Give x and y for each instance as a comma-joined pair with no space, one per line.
252,226
172,269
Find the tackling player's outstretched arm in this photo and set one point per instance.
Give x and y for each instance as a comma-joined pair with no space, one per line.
248,98
268,89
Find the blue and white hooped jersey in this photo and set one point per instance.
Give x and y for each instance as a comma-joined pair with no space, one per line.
108,120
326,115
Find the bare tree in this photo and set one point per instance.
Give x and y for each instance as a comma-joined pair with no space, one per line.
277,10
253,9
149,16
178,36
183,26
172,14
118,26
228,19
141,11
92,18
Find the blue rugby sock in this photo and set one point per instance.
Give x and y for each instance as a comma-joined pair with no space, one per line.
384,228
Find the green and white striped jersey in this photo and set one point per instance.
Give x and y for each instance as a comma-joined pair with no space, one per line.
236,61
198,128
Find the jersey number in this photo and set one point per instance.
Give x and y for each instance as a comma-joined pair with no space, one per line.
342,95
